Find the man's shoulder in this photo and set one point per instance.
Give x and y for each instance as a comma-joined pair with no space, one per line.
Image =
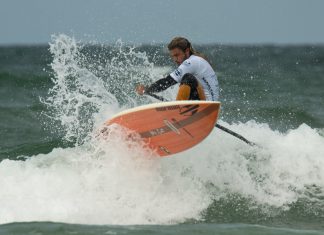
193,59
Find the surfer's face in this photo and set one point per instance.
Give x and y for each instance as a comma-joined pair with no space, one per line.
178,55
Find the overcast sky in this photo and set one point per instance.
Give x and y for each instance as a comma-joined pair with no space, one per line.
149,21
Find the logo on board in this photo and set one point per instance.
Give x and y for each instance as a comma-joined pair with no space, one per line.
189,110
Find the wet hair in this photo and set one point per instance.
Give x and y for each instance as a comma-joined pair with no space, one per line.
183,44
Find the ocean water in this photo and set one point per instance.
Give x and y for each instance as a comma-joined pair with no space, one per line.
56,177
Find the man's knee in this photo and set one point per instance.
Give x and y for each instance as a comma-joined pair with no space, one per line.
190,80
190,89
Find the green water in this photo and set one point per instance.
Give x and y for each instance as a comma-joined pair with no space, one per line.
280,87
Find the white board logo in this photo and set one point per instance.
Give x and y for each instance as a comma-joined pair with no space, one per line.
171,126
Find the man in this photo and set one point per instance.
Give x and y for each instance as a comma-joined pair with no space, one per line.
197,78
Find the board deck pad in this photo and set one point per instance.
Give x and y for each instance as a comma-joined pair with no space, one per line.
170,127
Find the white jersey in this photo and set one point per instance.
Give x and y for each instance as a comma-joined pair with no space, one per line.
204,73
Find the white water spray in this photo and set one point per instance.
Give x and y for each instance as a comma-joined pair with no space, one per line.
118,181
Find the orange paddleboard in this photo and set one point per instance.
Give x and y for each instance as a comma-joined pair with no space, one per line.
170,127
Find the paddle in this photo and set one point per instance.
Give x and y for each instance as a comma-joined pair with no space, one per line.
217,125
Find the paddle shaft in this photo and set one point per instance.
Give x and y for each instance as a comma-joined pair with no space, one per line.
234,134
217,125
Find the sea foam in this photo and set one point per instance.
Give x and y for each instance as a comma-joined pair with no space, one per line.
115,180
